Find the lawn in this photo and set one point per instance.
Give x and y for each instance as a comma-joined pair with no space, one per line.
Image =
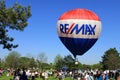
50,78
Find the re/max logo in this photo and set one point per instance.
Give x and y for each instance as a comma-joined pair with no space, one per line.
86,29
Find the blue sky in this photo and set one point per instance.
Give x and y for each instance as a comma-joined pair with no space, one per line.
41,33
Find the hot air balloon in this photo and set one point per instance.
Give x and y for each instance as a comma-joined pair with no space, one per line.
78,30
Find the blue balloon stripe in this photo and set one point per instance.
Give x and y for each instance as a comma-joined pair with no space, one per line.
78,46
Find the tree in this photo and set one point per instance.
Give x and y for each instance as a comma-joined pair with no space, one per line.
42,58
13,18
24,62
58,61
85,66
3,64
51,65
79,66
32,63
69,61
12,60
111,59
96,66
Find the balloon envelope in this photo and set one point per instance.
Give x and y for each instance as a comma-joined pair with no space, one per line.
78,29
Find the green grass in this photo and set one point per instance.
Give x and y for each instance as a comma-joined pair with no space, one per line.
50,78
5,77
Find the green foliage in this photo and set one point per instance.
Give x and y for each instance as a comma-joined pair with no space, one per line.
14,18
85,66
69,61
80,66
58,61
32,63
96,66
111,59
42,59
24,62
12,59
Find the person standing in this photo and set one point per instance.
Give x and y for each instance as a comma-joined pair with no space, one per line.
43,75
24,76
99,75
33,75
46,75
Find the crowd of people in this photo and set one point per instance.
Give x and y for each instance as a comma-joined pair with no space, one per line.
90,75
30,74
24,74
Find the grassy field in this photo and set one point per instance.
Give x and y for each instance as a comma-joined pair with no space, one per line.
50,78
